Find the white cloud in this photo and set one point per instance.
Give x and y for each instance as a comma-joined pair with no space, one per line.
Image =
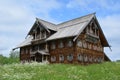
94,4
18,16
110,25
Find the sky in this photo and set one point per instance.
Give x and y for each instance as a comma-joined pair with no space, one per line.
18,16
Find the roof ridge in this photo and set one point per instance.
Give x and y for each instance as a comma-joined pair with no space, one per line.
76,18
73,24
44,21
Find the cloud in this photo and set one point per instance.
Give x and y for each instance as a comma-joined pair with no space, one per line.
110,25
18,16
94,4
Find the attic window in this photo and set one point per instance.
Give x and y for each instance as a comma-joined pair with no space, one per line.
70,57
43,34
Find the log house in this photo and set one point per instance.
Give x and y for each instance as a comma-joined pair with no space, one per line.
80,41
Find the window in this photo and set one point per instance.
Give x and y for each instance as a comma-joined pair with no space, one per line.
95,47
70,43
61,45
53,45
61,57
100,59
80,57
84,44
90,59
53,58
95,60
79,43
89,46
70,57
44,34
85,58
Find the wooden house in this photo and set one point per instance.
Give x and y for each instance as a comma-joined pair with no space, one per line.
79,40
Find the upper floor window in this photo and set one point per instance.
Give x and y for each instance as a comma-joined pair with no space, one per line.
53,46
84,44
69,43
61,45
79,43
89,46
43,34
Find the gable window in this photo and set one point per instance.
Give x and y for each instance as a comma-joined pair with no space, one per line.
61,57
43,34
69,43
53,46
80,57
79,43
61,45
70,57
53,58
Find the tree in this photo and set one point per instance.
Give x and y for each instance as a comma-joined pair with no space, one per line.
14,54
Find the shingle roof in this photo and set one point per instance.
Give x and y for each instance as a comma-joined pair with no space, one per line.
69,31
25,42
71,28
47,24
66,29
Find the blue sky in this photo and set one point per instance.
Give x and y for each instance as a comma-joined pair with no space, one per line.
18,16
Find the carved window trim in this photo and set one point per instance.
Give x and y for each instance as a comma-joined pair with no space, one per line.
61,57
90,59
84,44
79,43
80,57
70,57
53,58
85,58
69,43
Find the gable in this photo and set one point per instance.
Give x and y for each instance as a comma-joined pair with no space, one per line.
71,28
42,24
95,33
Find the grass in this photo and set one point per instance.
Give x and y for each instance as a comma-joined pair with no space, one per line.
41,71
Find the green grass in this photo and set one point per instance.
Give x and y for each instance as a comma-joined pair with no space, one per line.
39,71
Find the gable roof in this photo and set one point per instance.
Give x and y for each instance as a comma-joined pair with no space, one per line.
71,28
47,25
26,42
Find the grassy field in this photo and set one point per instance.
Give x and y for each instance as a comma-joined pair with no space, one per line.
40,71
